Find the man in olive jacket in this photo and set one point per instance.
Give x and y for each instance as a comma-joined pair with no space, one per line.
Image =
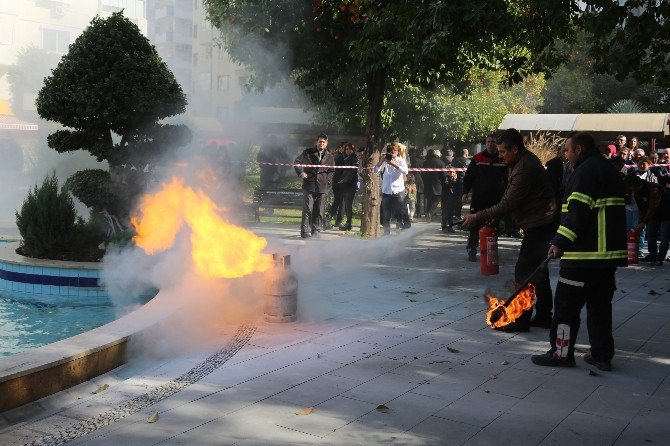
528,196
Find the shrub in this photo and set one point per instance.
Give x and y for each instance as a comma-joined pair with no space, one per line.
46,220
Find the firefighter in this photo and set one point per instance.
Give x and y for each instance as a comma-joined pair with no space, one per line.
485,177
530,200
591,242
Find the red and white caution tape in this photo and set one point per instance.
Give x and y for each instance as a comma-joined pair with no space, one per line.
411,169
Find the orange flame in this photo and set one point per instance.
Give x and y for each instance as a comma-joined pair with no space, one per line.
219,248
522,302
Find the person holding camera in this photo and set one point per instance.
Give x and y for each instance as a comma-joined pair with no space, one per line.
393,167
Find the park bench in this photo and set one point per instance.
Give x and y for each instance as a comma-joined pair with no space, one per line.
276,199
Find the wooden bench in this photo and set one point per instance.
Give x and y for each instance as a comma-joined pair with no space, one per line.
276,199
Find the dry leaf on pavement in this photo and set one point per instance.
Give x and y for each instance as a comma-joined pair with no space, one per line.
305,411
153,418
453,350
383,409
101,388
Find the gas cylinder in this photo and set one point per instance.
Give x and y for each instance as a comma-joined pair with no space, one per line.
488,248
280,295
633,240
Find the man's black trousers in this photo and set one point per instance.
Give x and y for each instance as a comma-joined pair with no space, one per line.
534,249
312,212
594,287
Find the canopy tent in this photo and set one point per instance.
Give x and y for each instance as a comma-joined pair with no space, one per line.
604,126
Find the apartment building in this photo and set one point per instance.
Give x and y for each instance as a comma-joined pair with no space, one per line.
50,25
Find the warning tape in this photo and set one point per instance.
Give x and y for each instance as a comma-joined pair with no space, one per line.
411,169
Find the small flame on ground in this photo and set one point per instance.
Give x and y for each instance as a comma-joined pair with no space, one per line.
219,248
522,302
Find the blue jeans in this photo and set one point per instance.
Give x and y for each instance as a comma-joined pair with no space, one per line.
632,218
656,226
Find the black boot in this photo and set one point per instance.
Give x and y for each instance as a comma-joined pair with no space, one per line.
548,360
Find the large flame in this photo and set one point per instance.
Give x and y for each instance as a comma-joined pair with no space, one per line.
219,248
522,302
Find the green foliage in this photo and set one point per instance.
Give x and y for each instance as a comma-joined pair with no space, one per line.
432,116
630,39
112,82
626,106
46,220
93,187
576,87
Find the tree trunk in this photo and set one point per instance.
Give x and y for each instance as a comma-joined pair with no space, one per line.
376,87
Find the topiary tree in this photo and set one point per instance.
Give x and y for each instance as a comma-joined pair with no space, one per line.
110,91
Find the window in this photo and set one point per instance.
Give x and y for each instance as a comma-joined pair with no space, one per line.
223,83
55,40
195,31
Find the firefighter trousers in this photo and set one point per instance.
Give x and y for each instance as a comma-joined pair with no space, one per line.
594,287
534,248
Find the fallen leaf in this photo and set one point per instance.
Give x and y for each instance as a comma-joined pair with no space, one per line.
101,388
592,373
653,293
504,363
493,376
153,418
453,350
383,409
412,300
487,391
437,362
374,286
432,314
318,355
305,411
410,292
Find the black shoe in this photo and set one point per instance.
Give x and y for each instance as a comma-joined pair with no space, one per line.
541,322
472,256
548,360
605,366
305,235
514,327
648,258
448,230
345,227
315,234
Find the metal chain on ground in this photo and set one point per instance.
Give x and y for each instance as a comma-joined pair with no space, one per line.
155,395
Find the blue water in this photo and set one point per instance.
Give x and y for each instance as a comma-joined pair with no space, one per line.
29,323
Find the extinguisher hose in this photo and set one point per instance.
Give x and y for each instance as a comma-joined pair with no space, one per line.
500,311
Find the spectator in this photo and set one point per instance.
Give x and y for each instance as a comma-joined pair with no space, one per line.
654,206
661,172
448,200
461,161
432,182
315,182
644,169
417,161
410,194
633,144
621,145
348,185
636,154
335,209
393,167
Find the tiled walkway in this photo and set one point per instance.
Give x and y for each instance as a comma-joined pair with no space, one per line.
400,323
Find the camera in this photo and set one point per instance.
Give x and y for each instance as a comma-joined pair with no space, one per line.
389,156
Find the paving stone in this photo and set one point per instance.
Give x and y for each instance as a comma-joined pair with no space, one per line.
648,427
317,390
478,408
329,415
438,431
515,383
405,411
585,429
616,403
382,389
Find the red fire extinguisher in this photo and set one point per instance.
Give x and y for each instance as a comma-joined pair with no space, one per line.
488,247
633,240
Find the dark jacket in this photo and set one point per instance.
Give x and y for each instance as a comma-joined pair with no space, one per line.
554,170
418,162
318,178
592,233
485,178
338,158
656,196
348,177
528,196
433,181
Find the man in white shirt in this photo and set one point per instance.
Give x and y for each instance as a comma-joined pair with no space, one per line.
392,168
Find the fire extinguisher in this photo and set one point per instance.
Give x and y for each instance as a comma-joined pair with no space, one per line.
633,240
488,248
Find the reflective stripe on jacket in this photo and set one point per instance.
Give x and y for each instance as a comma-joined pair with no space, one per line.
592,232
